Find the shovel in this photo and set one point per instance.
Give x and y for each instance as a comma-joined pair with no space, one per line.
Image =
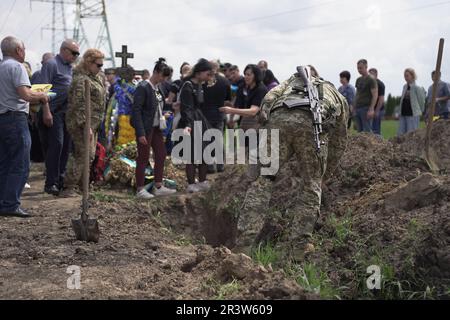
86,229
429,153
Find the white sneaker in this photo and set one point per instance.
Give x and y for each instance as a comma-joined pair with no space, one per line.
144,194
27,186
204,186
163,191
193,188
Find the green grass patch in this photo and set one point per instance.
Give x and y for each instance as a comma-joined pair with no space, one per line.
312,279
389,128
265,255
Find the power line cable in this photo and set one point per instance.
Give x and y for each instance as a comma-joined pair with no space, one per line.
321,25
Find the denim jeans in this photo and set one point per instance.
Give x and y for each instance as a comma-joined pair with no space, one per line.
15,146
376,124
408,124
364,125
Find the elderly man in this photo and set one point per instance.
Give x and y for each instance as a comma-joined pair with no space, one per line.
56,141
15,141
45,57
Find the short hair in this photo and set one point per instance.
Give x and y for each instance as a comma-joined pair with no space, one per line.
227,65
9,45
215,64
373,70
89,57
146,72
66,43
264,63
364,62
412,72
345,74
234,68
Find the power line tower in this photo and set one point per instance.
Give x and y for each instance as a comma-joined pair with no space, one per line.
93,10
58,26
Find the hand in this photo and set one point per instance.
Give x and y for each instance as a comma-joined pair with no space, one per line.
47,118
187,131
44,98
143,141
370,114
226,110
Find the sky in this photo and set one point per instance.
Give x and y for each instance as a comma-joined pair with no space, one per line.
331,35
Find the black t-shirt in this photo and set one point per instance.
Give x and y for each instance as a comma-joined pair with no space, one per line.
215,97
247,98
406,104
381,90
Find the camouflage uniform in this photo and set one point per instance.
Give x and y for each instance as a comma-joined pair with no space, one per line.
75,120
296,190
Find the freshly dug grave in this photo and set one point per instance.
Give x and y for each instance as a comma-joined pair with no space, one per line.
381,208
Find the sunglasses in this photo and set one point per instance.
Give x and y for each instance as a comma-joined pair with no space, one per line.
99,65
74,53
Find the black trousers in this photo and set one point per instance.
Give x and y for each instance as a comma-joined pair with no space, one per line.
56,144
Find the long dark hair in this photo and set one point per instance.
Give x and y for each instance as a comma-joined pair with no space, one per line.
257,73
269,77
162,67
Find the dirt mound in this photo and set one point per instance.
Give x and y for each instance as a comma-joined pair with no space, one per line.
383,208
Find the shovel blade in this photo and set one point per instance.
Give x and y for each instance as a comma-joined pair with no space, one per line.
88,231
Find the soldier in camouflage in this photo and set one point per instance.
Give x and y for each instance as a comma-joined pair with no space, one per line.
297,188
88,69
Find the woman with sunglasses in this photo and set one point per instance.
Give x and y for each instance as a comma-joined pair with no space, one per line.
88,69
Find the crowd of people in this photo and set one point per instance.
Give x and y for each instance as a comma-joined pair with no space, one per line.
146,109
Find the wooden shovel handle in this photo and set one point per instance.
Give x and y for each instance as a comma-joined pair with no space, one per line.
432,106
87,147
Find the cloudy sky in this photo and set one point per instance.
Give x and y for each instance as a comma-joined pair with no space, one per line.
332,35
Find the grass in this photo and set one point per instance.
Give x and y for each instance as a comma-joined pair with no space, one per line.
222,291
310,278
342,227
265,255
389,128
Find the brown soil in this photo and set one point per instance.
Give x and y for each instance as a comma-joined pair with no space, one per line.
138,256
382,207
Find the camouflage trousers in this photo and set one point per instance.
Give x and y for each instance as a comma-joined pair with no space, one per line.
74,174
297,187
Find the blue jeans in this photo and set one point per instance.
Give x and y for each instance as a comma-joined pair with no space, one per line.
364,125
376,124
15,146
408,124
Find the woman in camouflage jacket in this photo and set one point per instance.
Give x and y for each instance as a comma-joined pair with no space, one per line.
88,69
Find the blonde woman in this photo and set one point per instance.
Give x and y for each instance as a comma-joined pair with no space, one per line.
412,103
88,69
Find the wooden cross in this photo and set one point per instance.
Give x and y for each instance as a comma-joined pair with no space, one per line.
124,55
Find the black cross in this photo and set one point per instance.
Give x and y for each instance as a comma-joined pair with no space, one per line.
124,55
